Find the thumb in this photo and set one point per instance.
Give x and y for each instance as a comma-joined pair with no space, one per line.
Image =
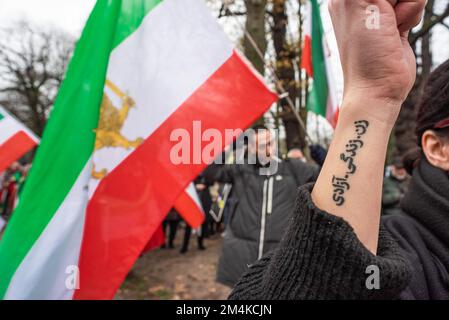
409,13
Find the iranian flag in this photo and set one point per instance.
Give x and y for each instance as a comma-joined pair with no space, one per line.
189,207
103,180
316,61
15,139
189,204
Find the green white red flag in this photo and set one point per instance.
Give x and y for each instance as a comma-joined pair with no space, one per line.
102,181
15,139
316,61
189,204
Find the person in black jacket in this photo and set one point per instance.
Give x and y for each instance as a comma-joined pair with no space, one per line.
336,247
171,223
263,204
394,188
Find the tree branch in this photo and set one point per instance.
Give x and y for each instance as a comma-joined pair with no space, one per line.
428,25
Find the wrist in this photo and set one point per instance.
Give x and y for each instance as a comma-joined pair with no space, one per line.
381,111
354,162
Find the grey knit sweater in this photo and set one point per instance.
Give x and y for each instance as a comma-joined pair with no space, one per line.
320,257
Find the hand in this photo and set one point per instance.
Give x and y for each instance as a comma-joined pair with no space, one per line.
200,187
378,63
379,69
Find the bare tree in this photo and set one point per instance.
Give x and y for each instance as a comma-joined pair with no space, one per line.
287,52
32,66
255,26
267,36
254,39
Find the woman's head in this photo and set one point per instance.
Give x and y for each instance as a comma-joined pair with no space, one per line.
432,127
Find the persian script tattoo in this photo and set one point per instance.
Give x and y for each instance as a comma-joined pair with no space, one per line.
341,184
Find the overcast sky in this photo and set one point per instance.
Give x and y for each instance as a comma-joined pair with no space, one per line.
72,14
66,14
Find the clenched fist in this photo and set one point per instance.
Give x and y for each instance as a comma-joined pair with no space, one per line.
377,60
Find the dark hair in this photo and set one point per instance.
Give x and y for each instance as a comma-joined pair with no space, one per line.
398,163
411,159
434,103
433,107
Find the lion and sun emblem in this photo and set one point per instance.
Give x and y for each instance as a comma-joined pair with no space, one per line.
112,119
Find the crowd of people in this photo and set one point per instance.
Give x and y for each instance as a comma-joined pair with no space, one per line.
256,209
11,184
307,230
254,212
337,245
413,242
324,241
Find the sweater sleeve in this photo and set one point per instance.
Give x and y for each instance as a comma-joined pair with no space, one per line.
320,257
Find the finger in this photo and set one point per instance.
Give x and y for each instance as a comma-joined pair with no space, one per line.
409,13
393,2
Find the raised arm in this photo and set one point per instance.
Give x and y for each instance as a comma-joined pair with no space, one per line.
379,70
334,236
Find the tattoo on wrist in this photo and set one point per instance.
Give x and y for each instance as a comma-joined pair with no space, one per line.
341,184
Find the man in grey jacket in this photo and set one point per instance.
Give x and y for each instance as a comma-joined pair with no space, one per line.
265,198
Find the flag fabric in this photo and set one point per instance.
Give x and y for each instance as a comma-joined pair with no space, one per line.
156,241
316,61
189,207
103,181
2,223
15,139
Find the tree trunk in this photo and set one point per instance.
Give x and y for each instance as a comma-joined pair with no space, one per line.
255,26
285,69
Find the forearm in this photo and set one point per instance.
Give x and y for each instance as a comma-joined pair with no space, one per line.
350,183
320,257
